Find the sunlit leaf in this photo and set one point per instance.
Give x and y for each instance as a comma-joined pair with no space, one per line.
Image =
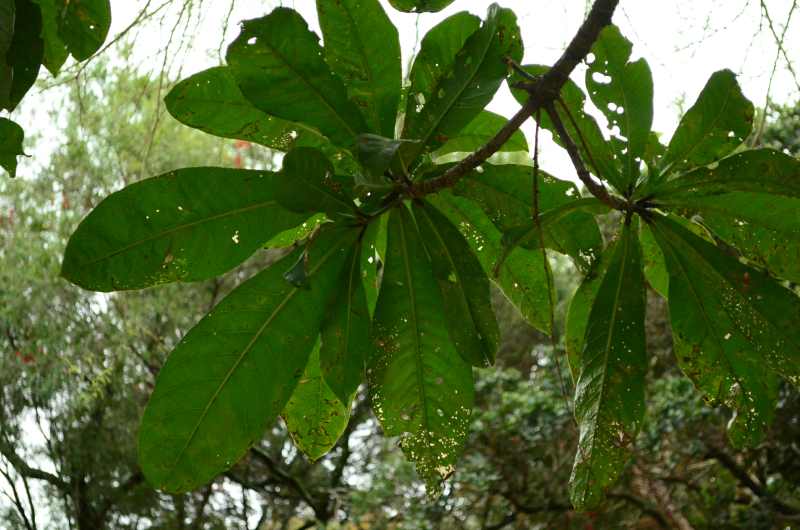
279,66
363,48
464,287
609,393
160,229
233,373
421,388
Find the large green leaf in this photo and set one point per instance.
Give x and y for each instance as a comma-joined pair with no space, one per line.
345,332
11,137
421,388
308,184
580,306
24,56
524,276
461,93
655,269
478,132
418,6
161,229
623,91
279,66
581,126
84,26
717,123
505,192
464,287
730,324
7,12
752,201
55,50
212,102
362,47
234,372
609,394
314,416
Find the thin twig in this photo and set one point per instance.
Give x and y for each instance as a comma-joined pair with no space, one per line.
543,92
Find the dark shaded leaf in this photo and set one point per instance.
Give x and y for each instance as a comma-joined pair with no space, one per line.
362,46
730,323
623,91
55,50
84,26
308,184
464,287
609,394
345,332
278,64
24,56
373,251
234,372
462,91
11,137
422,390
160,230
314,417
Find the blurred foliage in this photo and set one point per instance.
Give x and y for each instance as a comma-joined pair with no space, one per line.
76,369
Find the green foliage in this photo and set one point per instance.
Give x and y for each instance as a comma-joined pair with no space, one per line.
11,136
392,286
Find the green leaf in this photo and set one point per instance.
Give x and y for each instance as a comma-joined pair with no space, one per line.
55,50
377,154
84,26
623,91
524,276
421,388
373,251
732,325
655,269
160,230
314,417
464,287
212,102
478,132
461,93
278,64
419,6
609,394
505,192
597,151
308,184
24,56
345,332
233,373
750,200
6,38
580,306
363,48
11,137
291,236
717,123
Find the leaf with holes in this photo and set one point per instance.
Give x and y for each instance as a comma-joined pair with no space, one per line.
609,393
466,87
732,326
421,388
160,230
623,91
278,63
233,373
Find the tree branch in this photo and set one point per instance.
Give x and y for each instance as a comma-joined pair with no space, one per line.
542,93
24,469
